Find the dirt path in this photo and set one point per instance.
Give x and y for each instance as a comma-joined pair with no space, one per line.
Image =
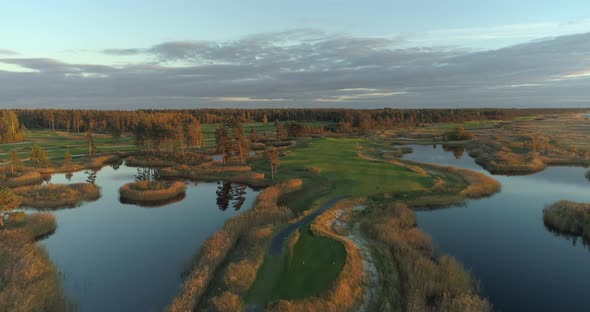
371,274
277,243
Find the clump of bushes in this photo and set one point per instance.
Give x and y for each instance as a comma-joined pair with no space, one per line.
54,196
458,134
149,191
216,248
568,217
30,282
430,282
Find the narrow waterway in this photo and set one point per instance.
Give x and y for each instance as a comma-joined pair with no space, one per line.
120,257
521,265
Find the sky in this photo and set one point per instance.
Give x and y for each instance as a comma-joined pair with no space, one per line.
356,54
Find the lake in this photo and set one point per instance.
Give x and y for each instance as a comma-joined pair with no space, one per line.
520,264
121,257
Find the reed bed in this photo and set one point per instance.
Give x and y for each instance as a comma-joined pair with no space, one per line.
216,248
150,191
30,281
53,196
568,217
214,172
426,281
240,272
20,178
347,291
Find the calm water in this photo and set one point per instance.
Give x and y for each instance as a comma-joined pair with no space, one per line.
118,257
521,265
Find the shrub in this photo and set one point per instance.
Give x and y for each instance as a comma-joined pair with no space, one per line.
19,178
568,217
227,302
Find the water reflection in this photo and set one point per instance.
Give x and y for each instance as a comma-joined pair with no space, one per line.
115,257
522,266
229,193
457,150
90,176
147,174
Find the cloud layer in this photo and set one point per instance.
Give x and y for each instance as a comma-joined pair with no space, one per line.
309,68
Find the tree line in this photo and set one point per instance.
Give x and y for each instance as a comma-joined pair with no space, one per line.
126,121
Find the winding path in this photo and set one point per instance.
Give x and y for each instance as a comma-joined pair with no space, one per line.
277,243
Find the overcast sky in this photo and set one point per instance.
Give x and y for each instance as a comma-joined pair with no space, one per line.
320,53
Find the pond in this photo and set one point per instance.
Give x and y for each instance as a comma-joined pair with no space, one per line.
521,265
121,257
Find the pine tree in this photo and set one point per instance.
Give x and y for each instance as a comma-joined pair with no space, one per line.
273,159
15,162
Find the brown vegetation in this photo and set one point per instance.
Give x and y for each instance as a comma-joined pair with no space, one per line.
146,191
54,196
426,282
19,178
30,282
217,247
346,292
213,171
568,217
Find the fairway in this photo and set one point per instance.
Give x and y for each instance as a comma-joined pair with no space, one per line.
338,160
317,261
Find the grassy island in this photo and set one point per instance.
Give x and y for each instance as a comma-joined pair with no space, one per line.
152,191
53,196
569,218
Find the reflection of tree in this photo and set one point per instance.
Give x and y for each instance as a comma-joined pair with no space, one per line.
91,178
116,165
230,193
46,178
147,174
69,176
458,151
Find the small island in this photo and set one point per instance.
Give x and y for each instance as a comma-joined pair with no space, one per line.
152,191
54,196
568,217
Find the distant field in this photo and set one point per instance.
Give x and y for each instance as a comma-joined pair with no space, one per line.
57,143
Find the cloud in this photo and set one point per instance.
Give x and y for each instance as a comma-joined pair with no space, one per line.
8,52
313,69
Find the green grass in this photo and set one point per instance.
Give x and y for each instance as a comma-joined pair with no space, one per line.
350,175
57,143
317,261
315,264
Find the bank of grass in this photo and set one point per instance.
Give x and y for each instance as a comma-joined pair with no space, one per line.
215,171
216,248
152,191
343,292
423,280
29,280
18,177
238,274
53,196
569,218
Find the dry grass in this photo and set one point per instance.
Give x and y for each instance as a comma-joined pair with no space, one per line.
346,292
54,196
30,282
216,248
568,217
429,282
19,178
213,171
146,191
